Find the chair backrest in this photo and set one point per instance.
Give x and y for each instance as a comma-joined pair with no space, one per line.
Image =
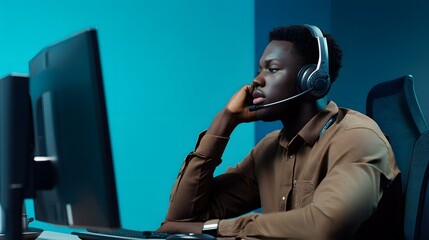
394,106
425,216
417,194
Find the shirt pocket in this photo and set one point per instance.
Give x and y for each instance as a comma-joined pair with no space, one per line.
303,191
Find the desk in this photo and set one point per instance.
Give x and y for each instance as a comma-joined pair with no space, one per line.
48,235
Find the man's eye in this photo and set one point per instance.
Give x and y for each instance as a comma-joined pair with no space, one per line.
273,70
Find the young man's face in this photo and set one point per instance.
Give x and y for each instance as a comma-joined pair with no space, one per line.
278,69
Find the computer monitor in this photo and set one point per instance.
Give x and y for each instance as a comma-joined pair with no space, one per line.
71,132
15,151
54,140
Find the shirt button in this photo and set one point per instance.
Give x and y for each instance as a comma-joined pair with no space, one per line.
283,198
291,156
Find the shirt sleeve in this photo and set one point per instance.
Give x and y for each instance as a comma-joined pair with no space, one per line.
344,199
198,196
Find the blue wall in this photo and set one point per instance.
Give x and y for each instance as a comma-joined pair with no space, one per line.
381,41
168,67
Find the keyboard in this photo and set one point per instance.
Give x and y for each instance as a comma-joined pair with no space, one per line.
122,233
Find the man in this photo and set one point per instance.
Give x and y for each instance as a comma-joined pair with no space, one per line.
330,173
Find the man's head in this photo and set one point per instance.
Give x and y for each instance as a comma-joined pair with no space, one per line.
290,49
305,45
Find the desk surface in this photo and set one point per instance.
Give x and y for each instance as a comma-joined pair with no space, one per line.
48,235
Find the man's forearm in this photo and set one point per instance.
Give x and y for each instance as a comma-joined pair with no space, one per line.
223,124
190,195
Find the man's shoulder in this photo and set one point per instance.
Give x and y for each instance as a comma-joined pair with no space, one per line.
357,123
351,119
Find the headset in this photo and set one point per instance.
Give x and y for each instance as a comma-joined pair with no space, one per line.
312,79
312,76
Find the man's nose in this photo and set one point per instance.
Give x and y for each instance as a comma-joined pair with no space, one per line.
258,81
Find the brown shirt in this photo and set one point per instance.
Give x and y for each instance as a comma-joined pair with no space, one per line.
326,183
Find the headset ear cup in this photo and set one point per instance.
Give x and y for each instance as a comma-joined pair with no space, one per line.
303,76
321,84
319,81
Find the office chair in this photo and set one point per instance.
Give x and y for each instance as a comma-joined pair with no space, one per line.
421,151
394,106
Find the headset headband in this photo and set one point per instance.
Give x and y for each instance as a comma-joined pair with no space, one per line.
323,62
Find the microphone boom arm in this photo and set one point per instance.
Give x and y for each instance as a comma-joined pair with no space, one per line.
256,107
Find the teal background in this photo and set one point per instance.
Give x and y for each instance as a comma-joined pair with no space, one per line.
170,65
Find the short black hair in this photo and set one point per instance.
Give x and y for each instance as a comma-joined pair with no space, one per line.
306,45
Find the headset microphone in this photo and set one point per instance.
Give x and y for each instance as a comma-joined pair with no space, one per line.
257,107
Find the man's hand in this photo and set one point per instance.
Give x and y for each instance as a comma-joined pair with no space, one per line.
181,227
235,112
239,105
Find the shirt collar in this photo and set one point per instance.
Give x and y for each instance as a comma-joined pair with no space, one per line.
311,132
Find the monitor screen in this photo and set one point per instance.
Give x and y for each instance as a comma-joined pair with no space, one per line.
71,131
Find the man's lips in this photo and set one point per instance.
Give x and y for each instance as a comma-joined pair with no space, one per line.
258,100
258,97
